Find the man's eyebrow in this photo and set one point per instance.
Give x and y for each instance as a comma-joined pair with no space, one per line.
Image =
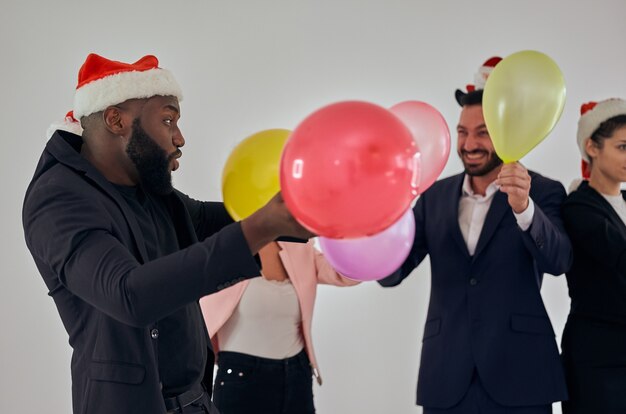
172,108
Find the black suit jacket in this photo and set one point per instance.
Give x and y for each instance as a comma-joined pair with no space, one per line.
88,248
486,313
594,340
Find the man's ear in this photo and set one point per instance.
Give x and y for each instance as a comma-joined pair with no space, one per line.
116,120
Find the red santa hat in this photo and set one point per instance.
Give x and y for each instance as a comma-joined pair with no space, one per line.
480,78
103,82
592,115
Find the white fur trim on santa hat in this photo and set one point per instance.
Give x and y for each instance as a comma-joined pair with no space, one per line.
68,124
114,89
591,120
480,78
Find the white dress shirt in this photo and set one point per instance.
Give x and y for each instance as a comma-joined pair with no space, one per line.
473,210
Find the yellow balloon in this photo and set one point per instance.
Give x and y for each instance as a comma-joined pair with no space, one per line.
522,101
251,174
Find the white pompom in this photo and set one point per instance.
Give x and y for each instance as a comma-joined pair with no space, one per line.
68,124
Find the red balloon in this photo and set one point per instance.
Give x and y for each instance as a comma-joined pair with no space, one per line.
350,169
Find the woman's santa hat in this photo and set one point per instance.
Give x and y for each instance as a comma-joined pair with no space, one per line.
103,82
480,78
592,115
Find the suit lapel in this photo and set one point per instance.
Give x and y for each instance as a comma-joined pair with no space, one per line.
288,265
451,213
126,211
606,206
296,280
499,206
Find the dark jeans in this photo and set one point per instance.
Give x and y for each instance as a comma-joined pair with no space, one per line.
477,401
247,384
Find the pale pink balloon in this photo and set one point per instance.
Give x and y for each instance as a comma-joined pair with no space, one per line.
430,133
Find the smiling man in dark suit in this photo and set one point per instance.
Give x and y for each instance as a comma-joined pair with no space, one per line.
490,232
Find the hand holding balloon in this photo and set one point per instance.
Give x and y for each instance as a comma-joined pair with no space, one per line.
514,180
270,222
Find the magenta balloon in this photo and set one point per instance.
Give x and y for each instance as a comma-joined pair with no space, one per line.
374,257
430,133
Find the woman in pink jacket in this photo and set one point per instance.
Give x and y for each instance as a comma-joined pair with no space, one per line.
262,330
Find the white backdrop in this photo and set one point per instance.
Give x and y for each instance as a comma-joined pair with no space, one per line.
246,66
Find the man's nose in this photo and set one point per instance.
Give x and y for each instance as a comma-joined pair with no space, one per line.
471,142
178,140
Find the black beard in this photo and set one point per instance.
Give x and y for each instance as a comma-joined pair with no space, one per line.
151,161
492,163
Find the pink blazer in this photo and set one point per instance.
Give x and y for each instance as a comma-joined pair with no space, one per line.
306,268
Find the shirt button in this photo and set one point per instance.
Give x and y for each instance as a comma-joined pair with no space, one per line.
154,333
473,282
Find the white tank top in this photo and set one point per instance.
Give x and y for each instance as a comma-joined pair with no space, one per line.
266,322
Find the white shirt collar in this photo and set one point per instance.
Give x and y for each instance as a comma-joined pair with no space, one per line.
467,190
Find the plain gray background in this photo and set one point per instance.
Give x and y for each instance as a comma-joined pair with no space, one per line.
251,65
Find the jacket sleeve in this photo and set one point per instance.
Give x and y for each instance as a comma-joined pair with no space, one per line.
74,236
546,238
419,250
208,217
591,232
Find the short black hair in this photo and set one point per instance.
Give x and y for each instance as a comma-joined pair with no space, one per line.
470,98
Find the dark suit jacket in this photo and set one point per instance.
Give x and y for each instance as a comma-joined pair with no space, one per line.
90,252
594,340
486,312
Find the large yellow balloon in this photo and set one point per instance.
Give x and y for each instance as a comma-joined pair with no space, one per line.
250,176
523,100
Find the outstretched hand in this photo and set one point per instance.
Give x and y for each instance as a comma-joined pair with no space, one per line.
514,180
285,223
270,222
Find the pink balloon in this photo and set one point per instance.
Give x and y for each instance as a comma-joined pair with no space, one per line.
431,134
374,257
350,169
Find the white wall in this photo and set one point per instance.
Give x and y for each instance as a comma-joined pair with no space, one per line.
247,66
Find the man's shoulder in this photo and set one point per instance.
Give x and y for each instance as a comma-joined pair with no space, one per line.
60,185
542,183
542,179
58,176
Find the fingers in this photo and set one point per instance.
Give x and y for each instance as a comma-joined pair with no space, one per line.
283,220
513,176
514,180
